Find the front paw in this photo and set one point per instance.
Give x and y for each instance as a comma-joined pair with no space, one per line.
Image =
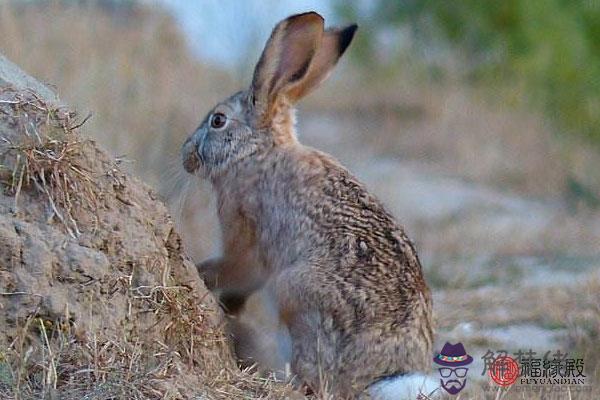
233,303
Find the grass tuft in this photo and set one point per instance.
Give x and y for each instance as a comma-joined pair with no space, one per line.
43,155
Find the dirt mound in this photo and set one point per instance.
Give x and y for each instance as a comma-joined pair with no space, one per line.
97,297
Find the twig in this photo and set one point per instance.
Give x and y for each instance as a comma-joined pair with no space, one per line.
51,377
79,125
20,294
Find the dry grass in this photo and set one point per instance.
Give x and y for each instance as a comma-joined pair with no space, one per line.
44,155
575,310
583,321
50,359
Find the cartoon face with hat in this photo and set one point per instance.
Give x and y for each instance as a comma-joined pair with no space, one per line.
452,360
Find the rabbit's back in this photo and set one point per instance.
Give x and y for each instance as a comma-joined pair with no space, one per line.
347,280
314,210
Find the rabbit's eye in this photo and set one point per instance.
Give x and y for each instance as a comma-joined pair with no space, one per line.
218,120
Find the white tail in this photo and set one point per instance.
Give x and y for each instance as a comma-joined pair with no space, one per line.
404,387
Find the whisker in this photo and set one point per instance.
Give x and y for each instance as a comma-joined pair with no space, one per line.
175,184
191,204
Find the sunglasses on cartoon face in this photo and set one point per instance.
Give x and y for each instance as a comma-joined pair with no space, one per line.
459,372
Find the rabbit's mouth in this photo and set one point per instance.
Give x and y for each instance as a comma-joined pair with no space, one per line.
191,163
191,160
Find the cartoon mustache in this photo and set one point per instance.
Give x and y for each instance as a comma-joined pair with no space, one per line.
453,383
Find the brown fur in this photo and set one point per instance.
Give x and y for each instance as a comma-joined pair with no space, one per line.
346,279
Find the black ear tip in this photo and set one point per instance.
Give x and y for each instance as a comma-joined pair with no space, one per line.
346,36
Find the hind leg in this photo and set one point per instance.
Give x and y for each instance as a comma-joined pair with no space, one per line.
315,360
344,365
308,310
333,350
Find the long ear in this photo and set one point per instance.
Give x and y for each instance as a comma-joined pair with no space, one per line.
334,44
285,59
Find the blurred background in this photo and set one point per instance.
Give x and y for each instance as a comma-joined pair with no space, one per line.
476,122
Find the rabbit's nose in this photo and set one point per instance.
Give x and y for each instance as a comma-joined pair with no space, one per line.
190,155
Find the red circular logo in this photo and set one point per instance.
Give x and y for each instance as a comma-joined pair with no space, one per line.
504,371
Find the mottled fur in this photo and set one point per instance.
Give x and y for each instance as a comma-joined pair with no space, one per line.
347,281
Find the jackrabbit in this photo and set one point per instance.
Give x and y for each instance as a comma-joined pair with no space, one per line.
346,280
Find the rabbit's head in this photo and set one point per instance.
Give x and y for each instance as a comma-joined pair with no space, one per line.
298,56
